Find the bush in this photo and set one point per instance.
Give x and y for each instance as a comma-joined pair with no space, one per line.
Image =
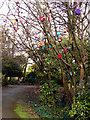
4,80
80,111
32,78
12,81
49,95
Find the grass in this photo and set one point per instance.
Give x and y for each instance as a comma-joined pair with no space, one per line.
25,111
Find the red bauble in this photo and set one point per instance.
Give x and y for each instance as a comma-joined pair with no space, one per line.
64,50
59,56
52,48
59,40
64,31
36,37
16,30
48,18
18,11
42,18
0,39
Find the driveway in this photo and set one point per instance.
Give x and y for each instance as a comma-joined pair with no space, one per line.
10,96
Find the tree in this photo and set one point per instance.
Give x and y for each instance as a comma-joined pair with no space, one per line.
10,68
50,18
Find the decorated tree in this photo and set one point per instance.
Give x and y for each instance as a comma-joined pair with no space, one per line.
42,28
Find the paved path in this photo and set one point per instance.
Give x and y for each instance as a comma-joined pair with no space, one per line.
9,97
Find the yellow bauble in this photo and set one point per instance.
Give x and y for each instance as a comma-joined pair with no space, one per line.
43,6
14,21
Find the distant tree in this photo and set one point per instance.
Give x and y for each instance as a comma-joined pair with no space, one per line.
10,68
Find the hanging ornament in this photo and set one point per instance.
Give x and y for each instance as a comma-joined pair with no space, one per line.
6,39
14,21
58,33
65,31
0,39
18,11
10,25
43,6
60,51
48,18
60,40
71,73
73,61
43,47
77,11
18,2
69,47
20,21
59,56
36,37
8,28
42,18
50,46
16,30
41,43
72,38
64,50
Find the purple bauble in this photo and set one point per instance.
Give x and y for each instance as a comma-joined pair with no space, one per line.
77,11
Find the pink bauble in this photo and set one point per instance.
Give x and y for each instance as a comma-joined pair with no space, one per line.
20,21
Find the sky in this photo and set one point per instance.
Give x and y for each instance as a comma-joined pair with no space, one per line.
4,9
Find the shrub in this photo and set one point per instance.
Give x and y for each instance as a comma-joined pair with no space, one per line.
12,81
49,95
32,78
80,111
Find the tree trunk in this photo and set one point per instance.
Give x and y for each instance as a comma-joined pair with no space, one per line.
81,74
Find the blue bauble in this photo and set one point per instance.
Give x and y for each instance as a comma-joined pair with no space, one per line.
58,33
77,11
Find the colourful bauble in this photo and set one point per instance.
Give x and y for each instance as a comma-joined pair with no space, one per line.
18,11
71,73
16,20
8,28
60,40
42,18
58,33
64,50
41,43
60,51
43,47
65,31
17,2
69,47
77,11
59,56
50,46
48,18
20,21
43,6
16,30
